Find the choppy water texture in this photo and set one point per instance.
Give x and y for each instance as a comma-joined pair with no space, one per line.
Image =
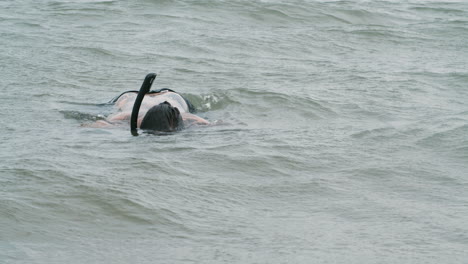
345,136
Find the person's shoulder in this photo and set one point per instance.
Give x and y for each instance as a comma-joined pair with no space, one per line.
125,97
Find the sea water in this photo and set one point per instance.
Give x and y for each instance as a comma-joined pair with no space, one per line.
343,133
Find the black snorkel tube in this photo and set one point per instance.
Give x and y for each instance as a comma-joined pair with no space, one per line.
145,87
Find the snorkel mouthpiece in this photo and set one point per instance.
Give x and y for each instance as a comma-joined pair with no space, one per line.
145,87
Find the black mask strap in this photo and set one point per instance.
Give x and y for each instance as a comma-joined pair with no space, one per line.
145,87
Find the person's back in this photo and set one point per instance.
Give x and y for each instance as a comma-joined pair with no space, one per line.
126,101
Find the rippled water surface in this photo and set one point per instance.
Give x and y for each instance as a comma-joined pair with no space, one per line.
344,136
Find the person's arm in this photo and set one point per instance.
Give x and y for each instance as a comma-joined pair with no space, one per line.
99,124
119,116
190,119
111,121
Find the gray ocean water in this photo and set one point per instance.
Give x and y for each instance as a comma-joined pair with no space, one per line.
344,136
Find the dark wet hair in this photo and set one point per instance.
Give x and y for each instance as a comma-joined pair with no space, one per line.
163,117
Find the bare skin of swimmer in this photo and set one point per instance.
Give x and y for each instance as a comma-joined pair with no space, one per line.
125,106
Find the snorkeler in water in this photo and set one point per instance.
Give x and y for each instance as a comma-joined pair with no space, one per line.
163,110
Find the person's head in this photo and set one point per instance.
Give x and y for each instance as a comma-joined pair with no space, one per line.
163,117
